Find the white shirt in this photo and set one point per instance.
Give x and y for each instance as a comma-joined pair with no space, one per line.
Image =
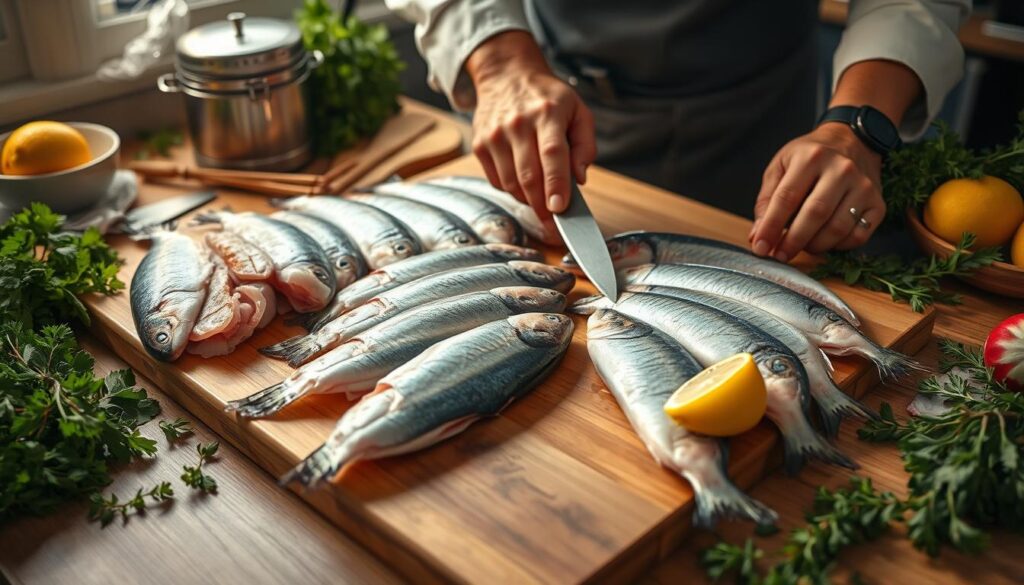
921,34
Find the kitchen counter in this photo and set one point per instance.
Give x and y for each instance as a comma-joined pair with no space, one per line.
254,532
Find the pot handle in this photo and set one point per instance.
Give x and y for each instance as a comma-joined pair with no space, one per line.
168,83
316,59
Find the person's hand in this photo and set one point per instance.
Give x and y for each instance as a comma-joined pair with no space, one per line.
811,185
530,129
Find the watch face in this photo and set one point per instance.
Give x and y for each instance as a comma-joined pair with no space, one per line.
878,127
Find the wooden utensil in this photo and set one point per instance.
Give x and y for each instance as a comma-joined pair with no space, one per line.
158,169
397,133
999,277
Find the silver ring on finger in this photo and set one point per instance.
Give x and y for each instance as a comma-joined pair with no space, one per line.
855,213
863,223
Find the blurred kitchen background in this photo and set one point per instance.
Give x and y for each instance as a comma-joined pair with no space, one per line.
50,51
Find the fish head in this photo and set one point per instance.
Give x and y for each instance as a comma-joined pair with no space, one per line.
606,323
508,252
308,285
626,250
497,228
542,329
346,269
836,332
164,333
635,274
530,299
783,375
544,275
588,305
391,250
456,238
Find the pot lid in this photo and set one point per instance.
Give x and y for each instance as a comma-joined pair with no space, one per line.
239,46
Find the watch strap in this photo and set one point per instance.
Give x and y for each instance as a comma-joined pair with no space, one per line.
847,114
854,117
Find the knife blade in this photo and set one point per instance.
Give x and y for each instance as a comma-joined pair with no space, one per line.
164,211
586,244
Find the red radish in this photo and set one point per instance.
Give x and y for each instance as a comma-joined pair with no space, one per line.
1004,351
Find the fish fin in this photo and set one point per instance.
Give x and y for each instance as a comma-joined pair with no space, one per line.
314,322
206,218
322,464
296,350
892,364
828,361
269,400
716,496
806,444
834,405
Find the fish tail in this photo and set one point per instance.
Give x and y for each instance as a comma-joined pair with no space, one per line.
834,405
296,350
322,464
891,363
269,400
717,497
804,443
207,218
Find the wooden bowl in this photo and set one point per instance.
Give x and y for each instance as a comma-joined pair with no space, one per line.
999,277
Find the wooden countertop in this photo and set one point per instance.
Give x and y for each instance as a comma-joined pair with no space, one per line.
973,38
253,532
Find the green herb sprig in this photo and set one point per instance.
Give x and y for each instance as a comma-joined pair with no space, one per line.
194,476
106,509
61,426
159,142
916,283
175,429
43,270
356,88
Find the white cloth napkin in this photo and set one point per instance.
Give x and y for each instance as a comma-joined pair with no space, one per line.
107,212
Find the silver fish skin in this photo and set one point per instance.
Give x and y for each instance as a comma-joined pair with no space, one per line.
823,326
300,349
410,269
482,188
435,228
246,262
354,367
635,248
167,293
441,392
642,367
710,336
492,224
302,271
833,403
343,253
382,239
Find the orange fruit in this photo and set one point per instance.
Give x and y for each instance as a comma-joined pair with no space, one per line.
43,147
1017,248
989,207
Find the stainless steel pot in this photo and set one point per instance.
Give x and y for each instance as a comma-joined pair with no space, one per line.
246,96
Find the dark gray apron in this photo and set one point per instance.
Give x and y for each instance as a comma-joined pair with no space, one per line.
694,96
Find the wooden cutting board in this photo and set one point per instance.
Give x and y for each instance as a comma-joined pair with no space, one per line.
556,490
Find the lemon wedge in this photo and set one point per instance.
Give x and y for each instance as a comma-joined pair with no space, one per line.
725,399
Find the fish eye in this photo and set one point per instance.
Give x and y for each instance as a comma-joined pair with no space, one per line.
524,298
342,263
401,248
162,337
462,239
834,317
779,366
551,318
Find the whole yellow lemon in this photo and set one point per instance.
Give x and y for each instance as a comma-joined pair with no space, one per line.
43,147
1017,248
989,208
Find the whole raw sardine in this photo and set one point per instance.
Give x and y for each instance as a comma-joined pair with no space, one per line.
823,326
167,293
408,270
246,262
492,224
442,391
301,349
341,251
711,336
382,238
302,271
642,367
833,403
480,187
435,228
354,367
631,249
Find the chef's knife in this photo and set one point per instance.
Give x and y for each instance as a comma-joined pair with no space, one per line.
140,218
586,244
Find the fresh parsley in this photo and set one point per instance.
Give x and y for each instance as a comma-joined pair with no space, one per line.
916,283
159,142
43,270
106,509
356,88
194,476
175,429
61,426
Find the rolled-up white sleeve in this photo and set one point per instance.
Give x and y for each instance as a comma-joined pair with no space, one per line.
921,34
447,31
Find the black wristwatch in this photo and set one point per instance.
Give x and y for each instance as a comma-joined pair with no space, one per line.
874,128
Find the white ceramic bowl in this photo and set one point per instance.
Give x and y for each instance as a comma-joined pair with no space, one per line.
72,189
